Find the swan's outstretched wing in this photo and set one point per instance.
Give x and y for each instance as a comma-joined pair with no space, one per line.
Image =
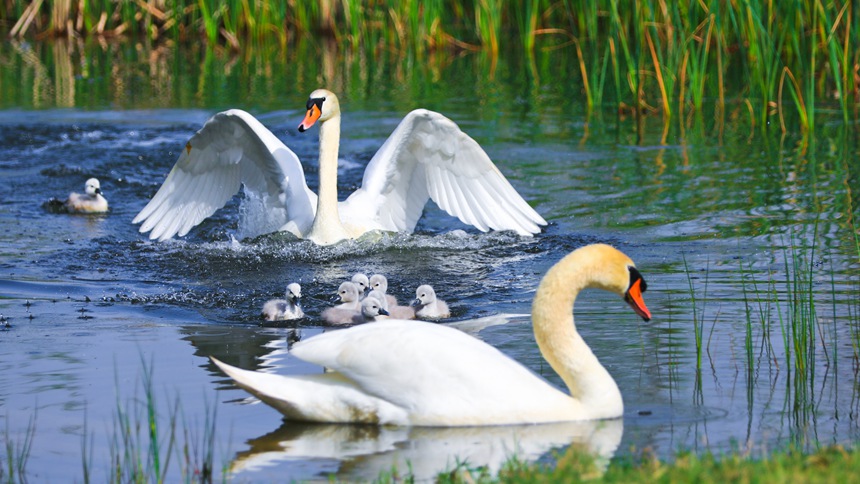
428,156
230,149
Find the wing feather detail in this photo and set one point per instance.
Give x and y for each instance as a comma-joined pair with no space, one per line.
231,149
429,157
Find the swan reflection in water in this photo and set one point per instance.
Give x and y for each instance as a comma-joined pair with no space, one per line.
364,452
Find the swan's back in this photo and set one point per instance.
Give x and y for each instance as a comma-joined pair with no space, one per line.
454,378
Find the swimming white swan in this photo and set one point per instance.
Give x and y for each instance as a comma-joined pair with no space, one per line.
284,309
427,305
426,157
91,201
418,373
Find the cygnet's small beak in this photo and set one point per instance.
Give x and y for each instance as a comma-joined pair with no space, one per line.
383,312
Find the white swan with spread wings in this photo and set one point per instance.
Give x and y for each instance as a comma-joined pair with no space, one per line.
426,157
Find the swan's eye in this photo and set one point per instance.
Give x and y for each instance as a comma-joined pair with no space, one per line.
315,102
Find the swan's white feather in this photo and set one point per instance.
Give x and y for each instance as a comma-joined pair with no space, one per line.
327,397
468,382
428,156
231,149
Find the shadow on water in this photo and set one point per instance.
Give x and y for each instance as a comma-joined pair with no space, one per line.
749,240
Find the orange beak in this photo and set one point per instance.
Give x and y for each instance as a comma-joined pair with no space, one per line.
311,117
634,299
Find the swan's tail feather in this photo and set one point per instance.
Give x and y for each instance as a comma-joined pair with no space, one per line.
270,388
325,397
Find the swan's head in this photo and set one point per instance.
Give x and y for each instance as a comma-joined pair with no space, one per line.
600,266
380,282
424,295
93,187
347,292
361,281
294,292
617,273
372,308
322,106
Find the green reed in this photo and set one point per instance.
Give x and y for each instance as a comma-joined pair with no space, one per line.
698,316
775,60
14,469
788,300
143,445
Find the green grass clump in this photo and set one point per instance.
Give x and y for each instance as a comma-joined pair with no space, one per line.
146,439
14,464
829,464
149,443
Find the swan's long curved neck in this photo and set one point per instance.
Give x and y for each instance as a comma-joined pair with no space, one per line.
327,228
562,346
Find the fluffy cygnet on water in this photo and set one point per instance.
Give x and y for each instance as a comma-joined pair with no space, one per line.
426,304
350,304
371,309
360,280
91,201
380,282
284,309
395,311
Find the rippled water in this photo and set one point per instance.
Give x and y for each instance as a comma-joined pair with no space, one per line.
93,309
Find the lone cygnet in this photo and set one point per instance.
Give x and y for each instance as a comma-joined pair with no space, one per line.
284,309
91,201
426,304
380,282
347,294
396,312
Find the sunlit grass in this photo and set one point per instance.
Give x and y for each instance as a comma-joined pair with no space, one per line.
828,464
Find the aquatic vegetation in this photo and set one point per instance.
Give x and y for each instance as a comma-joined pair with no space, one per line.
768,61
17,449
145,441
